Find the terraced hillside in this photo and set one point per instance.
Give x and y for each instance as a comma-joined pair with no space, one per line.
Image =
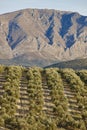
47,99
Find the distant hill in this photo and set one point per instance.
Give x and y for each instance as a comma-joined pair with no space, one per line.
42,37
75,64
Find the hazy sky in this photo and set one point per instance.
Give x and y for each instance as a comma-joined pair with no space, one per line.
67,5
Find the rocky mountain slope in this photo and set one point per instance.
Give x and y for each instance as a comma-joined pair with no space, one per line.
41,37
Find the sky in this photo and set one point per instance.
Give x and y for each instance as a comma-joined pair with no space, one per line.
79,6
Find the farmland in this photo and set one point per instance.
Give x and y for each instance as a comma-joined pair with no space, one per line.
47,99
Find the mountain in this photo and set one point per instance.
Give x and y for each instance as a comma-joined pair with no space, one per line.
42,36
75,64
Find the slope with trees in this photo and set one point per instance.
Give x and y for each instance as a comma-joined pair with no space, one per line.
48,99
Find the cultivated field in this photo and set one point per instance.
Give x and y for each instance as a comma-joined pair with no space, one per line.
43,99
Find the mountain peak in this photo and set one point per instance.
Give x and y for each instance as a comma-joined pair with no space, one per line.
43,35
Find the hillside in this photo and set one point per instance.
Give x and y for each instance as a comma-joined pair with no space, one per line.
75,64
32,98
41,37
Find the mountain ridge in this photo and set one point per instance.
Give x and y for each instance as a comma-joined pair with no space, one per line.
43,35
75,64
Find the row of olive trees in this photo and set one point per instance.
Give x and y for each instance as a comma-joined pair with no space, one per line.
1,118
1,68
55,84
10,97
37,119
83,75
77,86
35,94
